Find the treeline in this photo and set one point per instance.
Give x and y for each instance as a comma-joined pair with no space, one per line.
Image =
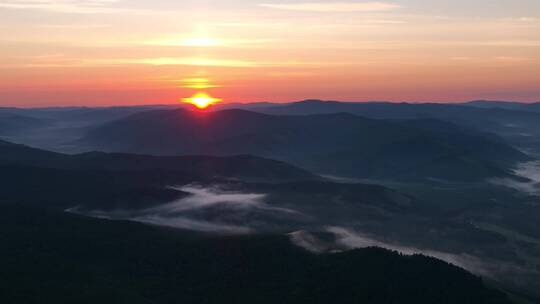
52,257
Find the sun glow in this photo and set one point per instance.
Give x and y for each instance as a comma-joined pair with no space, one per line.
198,83
201,100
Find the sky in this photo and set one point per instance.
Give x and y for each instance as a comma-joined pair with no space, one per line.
120,52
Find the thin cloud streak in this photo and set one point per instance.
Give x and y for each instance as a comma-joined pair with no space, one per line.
79,7
210,42
338,7
61,6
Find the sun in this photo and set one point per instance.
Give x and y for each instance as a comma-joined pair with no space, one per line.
201,100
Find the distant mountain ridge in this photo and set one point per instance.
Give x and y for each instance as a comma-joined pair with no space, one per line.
391,110
518,123
15,123
336,143
243,166
511,105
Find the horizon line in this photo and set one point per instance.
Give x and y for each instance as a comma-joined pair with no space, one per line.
265,102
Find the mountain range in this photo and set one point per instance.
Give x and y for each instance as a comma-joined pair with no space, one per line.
243,167
245,193
338,144
397,176
518,123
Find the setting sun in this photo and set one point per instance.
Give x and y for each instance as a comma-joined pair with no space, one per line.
201,100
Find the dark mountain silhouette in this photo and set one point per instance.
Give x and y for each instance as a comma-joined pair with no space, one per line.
100,181
50,257
82,115
293,198
55,128
339,144
122,180
239,167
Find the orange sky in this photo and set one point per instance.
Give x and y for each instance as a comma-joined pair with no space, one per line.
114,52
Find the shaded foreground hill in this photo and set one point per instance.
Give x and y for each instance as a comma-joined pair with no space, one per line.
337,144
101,181
235,167
51,257
109,181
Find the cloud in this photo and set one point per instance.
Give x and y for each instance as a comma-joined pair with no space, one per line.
208,42
197,61
81,7
335,6
160,61
510,59
72,26
70,61
61,6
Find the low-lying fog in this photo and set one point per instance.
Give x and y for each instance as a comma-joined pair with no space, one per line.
531,172
206,209
336,239
217,210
